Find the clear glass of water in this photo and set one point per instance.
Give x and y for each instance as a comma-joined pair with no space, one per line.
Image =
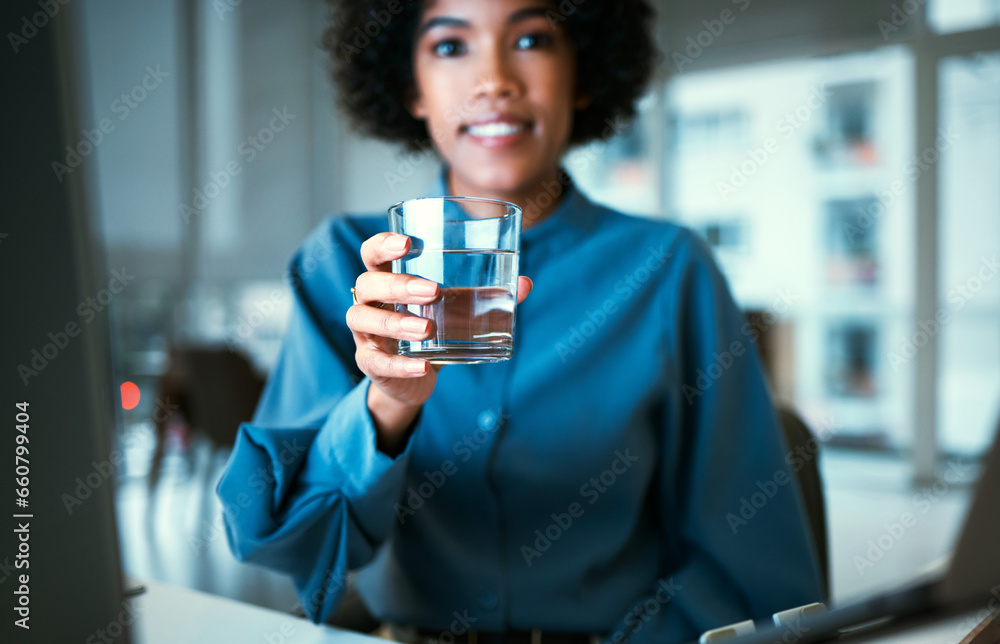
470,247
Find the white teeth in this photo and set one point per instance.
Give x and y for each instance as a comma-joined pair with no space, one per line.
495,129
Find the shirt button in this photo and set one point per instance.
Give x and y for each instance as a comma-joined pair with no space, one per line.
488,601
487,420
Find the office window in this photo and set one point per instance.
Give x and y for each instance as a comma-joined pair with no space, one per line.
851,245
725,234
947,16
851,360
711,129
969,243
848,135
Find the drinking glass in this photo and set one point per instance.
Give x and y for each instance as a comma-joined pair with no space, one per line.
470,247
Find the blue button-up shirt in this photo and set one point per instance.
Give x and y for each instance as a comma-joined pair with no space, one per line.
624,474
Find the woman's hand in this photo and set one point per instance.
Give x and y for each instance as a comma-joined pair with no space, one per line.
400,385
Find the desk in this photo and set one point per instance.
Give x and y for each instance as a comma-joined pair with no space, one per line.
952,630
169,614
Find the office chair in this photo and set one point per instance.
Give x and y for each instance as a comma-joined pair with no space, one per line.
797,434
775,346
215,390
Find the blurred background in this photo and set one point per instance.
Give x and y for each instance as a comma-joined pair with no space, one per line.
842,159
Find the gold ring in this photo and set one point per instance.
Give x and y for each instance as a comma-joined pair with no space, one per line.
354,294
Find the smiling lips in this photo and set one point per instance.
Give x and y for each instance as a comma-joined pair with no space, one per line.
497,132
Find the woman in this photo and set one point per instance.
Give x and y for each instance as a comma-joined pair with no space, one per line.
592,486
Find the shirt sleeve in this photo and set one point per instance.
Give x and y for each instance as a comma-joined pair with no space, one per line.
305,491
730,508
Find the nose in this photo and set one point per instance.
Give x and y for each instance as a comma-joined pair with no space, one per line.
496,76
488,86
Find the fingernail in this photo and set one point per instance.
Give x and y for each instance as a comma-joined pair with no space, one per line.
422,288
413,325
396,243
415,366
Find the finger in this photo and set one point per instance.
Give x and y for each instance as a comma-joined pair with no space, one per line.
378,364
388,346
379,250
524,286
376,286
388,324
369,341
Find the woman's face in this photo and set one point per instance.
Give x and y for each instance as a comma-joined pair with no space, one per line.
495,84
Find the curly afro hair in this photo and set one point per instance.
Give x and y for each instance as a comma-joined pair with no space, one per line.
370,43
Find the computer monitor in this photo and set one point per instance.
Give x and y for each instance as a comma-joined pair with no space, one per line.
60,574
